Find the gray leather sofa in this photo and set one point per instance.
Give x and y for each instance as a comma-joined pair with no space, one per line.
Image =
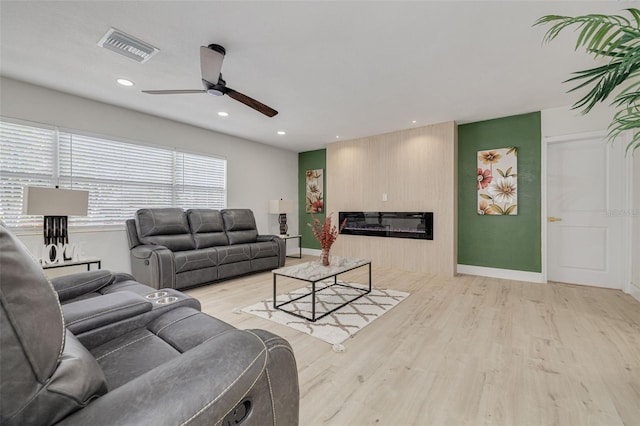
173,248
175,367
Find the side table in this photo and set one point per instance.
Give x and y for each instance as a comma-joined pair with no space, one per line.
290,237
88,261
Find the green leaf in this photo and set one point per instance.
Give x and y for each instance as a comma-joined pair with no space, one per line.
486,197
501,173
496,208
508,172
610,36
510,209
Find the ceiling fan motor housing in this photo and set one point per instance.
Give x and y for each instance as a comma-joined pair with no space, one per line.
217,48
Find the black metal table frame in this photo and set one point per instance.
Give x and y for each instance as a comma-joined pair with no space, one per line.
299,237
75,263
313,293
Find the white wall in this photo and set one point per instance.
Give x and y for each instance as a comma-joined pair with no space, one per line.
256,173
635,250
565,121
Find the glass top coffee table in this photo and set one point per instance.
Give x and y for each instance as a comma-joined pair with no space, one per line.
314,272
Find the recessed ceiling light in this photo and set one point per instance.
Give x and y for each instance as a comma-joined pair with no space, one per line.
282,132
223,114
337,137
125,82
414,121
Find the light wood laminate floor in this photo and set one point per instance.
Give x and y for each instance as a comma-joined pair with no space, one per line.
463,351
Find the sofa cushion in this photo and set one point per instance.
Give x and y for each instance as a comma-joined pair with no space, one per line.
167,227
207,228
233,254
264,249
195,259
163,339
240,225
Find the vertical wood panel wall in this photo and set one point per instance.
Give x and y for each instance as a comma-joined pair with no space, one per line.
416,168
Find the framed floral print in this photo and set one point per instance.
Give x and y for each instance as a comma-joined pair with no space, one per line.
315,191
497,181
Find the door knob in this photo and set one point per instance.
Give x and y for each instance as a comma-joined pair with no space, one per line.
554,219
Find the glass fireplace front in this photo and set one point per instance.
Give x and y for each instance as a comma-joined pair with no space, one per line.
416,225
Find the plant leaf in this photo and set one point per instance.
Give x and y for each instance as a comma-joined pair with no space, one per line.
615,37
501,172
496,208
486,197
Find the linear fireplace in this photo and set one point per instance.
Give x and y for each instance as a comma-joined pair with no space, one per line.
416,225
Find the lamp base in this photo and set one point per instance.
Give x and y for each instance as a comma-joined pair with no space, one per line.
55,231
283,224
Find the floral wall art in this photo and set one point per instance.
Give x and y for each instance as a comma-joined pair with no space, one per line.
498,181
315,191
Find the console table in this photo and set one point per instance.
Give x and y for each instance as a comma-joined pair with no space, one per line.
313,272
88,261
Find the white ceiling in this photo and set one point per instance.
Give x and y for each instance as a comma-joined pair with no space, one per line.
330,68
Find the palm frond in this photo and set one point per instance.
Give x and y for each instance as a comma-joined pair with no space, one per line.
617,38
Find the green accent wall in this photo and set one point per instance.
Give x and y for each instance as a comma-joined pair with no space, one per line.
309,160
506,242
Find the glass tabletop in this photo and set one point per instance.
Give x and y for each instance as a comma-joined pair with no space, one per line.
316,271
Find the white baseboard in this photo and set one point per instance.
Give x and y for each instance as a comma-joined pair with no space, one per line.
311,252
507,274
634,291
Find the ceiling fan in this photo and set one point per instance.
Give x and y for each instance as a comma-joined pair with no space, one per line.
211,58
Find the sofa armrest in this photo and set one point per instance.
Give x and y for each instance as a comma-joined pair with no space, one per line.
282,246
81,283
92,313
153,265
206,384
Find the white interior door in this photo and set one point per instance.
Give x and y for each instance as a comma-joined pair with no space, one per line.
585,192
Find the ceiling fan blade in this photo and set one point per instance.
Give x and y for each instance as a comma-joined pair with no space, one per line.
210,64
250,102
172,92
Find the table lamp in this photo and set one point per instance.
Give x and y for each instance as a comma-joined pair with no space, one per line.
55,204
281,207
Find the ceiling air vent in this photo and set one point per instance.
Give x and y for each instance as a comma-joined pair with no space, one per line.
127,45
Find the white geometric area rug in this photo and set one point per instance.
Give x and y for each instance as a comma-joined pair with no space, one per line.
338,326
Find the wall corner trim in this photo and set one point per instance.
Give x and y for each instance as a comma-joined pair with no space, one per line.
507,274
634,291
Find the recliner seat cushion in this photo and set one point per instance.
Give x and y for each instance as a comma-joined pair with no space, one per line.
207,228
163,339
167,227
264,249
192,260
234,254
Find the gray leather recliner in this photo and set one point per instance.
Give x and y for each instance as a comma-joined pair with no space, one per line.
183,367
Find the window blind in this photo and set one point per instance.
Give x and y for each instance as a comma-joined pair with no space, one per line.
27,157
120,177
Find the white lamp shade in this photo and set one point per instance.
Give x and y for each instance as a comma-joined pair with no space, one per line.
280,206
55,202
